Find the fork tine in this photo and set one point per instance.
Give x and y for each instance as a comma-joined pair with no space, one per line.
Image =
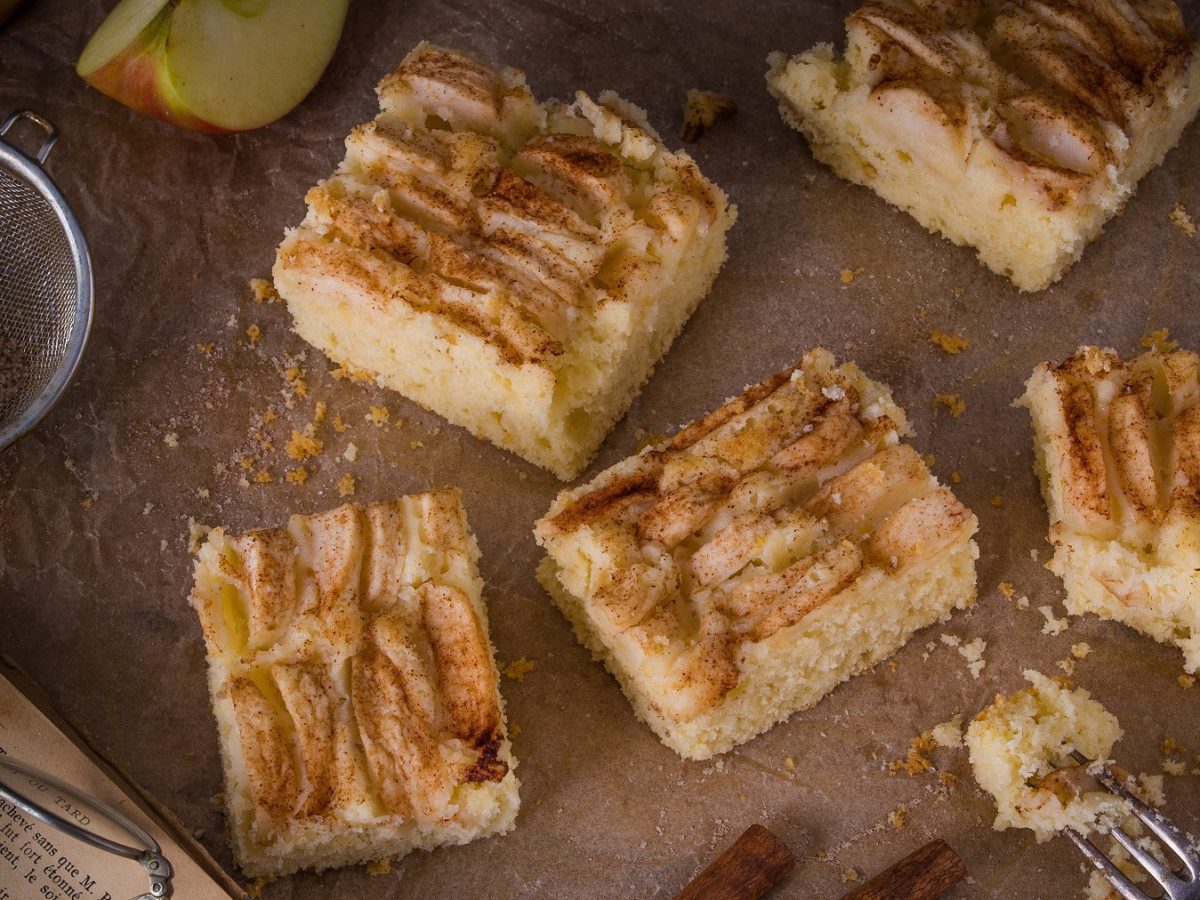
1107,867
1166,832
1169,881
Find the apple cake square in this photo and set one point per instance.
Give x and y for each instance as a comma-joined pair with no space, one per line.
1117,447
354,686
740,570
1018,129
517,267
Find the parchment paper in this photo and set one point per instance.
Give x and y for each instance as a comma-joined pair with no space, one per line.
94,506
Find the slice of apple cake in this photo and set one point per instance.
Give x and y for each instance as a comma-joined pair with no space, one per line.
1018,128
517,267
737,572
1118,453
354,686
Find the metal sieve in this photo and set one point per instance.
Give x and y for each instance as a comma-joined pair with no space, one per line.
45,285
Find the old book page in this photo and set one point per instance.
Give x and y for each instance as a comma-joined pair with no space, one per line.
39,861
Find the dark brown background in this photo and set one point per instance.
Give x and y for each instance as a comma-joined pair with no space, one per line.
94,599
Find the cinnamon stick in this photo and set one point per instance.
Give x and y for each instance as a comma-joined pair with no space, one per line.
922,875
748,869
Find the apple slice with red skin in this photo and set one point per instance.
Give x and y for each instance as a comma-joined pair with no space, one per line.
213,65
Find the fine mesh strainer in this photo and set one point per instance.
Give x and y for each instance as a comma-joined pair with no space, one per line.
45,285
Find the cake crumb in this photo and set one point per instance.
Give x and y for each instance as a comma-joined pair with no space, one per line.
951,640
319,412
1185,681
948,343
262,476
1053,626
69,464
1159,340
171,439
997,500
254,333
379,867
197,534
147,509
298,475
345,485
350,454
1080,650
345,371
1180,219
206,348
954,404
339,424
956,478
701,110
789,764
514,730
1006,588
519,669
1174,767
915,762
87,502
378,415
202,493
930,460
948,734
973,654
415,445
847,276
1023,602
897,818
1067,665
263,290
303,446
850,876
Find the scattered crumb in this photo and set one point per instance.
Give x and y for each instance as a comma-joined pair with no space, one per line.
950,343
896,818
950,640
997,500
302,446
319,412
1023,602
1006,588
1173,767
1169,746
930,460
850,876
1159,340
69,464
1180,219
345,485
339,424
86,502
202,493
701,111
954,404
147,509
1080,650
344,371
956,478
916,761
1067,665
256,886
514,730
263,290
519,669
171,439
1150,789
948,734
350,454
1185,681
973,654
269,416
254,333
949,779
206,348
1053,626
262,476
298,475
196,535
789,764
378,415
847,276
415,445
379,867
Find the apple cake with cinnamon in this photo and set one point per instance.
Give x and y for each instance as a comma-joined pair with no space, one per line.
1016,128
517,267
354,686
1117,449
740,570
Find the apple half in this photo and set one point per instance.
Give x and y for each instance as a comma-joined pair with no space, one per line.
213,65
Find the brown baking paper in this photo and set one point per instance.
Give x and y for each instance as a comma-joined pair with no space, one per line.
94,506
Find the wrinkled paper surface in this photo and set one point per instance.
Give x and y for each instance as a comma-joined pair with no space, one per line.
94,506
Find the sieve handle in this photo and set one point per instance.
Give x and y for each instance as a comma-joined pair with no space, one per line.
41,121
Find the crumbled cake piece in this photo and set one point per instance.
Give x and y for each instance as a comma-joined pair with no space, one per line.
948,343
354,686
701,110
1016,128
1182,220
1020,748
739,571
1118,453
517,267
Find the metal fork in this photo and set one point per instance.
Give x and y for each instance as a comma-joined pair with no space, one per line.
1177,884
